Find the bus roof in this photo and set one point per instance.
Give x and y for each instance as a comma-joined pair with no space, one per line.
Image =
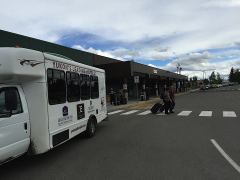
22,65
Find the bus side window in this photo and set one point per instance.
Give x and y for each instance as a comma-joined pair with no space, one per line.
73,87
56,86
85,86
94,87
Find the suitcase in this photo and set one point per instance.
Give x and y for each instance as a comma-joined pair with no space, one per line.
162,108
124,101
156,107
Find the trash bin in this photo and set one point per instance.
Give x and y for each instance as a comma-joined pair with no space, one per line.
117,99
123,100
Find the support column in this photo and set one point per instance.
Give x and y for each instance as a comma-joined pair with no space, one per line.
181,85
184,86
143,93
156,89
125,92
177,87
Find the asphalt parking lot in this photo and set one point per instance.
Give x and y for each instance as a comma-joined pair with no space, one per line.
135,144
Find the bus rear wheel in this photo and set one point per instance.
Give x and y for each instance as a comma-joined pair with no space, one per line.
91,128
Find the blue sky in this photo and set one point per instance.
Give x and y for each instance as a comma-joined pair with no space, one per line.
197,34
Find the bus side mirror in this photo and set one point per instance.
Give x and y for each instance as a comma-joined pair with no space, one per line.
11,100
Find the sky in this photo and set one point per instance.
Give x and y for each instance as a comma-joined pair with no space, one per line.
196,34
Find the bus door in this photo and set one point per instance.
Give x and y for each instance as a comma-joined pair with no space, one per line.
14,123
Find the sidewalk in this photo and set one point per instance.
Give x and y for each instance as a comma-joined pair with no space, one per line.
131,103
137,104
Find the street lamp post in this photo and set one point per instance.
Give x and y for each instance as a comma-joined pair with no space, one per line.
179,68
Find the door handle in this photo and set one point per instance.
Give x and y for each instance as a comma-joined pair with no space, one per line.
25,126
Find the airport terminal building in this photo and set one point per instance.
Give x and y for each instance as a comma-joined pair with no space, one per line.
134,79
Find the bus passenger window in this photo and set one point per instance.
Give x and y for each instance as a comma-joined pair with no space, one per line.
56,86
94,87
73,87
85,86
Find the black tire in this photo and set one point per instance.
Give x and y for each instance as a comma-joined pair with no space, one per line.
91,128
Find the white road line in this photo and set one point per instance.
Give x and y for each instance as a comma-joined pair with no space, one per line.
225,155
115,112
161,114
206,113
229,114
129,112
145,112
185,113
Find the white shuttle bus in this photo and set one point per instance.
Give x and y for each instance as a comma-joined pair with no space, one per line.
45,100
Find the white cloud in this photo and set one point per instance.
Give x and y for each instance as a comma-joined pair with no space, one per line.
109,54
195,63
222,3
152,65
180,27
199,26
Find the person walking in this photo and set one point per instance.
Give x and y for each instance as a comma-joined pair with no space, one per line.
172,99
166,100
112,93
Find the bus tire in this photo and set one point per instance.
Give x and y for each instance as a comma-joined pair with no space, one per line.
91,128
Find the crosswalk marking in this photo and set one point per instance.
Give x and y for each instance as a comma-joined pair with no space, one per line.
184,113
161,114
130,112
206,113
145,112
229,114
115,112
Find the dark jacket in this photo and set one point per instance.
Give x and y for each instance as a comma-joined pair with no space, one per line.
166,96
172,95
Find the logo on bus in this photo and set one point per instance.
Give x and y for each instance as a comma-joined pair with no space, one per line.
80,111
65,111
72,68
28,62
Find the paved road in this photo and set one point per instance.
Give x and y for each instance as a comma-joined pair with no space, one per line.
147,146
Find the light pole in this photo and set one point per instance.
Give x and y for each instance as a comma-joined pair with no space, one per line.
179,68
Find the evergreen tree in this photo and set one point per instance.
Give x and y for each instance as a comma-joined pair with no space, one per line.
235,72
219,79
212,78
195,80
231,75
237,76
206,81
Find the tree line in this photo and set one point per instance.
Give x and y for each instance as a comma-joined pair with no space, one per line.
214,78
